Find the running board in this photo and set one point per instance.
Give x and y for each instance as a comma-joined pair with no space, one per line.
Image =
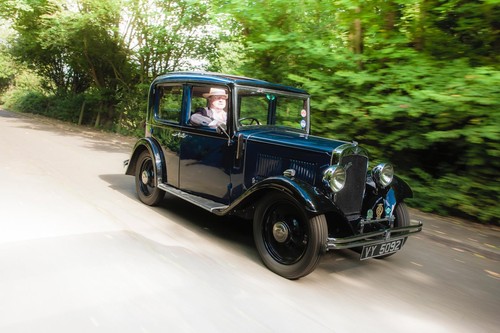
207,204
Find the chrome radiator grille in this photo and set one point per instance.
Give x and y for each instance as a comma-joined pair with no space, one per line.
350,198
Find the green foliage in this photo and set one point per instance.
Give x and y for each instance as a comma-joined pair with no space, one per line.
401,77
169,35
465,29
416,81
7,69
441,130
24,82
437,122
8,66
28,101
132,107
50,106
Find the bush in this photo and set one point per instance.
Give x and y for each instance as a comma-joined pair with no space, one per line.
437,122
129,113
28,101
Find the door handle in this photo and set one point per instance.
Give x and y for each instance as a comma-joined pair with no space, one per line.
179,135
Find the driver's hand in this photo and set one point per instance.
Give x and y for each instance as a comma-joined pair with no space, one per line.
221,128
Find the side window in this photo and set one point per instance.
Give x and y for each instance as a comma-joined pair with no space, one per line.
198,102
170,103
209,106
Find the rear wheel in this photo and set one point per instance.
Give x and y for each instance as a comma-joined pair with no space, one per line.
145,176
289,242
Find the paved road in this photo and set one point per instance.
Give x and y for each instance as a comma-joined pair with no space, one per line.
79,253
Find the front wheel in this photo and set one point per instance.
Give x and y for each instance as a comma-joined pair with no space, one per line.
289,242
402,219
145,178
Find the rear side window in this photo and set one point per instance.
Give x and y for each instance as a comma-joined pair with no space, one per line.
169,103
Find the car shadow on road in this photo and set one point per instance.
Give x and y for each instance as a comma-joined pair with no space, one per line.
233,232
121,183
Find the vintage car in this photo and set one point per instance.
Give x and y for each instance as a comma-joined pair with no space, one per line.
305,194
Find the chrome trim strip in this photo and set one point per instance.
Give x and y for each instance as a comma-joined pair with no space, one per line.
373,237
347,149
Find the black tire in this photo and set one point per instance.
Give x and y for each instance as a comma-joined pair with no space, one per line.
402,219
145,177
289,242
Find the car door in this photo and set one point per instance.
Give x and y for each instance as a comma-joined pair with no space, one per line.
205,157
166,127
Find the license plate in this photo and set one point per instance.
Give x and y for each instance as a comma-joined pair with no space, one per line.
377,250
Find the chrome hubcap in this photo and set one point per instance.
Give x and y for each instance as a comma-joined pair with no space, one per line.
281,232
145,177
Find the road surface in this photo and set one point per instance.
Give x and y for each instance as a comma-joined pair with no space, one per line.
80,253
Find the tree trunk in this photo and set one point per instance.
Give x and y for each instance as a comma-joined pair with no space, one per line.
98,119
419,40
357,37
82,109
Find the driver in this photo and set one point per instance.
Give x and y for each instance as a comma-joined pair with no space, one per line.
215,114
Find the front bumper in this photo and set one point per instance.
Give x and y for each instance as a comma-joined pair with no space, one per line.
373,237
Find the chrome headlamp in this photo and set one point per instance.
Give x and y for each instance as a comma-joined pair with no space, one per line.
335,177
383,174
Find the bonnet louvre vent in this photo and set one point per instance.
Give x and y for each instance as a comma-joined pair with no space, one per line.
304,170
269,165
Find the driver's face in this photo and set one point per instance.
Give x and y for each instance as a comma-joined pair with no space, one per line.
218,102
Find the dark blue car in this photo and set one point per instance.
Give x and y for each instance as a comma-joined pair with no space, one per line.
305,194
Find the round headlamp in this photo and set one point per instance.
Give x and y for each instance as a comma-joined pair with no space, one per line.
383,174
335,177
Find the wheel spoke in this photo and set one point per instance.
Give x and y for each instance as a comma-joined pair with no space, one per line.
288,240
145,177
282,221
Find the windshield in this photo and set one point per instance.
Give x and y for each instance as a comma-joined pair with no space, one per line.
264,107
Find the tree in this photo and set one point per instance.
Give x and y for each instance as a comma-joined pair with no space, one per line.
463,29
105,48
379,73
408,78
169,35
7,64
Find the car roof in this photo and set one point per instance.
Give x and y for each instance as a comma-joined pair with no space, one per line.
219,78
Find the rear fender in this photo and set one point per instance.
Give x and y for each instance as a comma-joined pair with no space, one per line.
154,149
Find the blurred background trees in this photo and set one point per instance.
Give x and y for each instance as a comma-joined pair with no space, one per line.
416,81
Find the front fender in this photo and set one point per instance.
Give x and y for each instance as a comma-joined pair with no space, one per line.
314,201
401,189
390,196
155,151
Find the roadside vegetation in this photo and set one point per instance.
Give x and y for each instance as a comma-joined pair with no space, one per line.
415,81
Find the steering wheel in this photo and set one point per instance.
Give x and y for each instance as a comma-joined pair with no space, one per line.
252,121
